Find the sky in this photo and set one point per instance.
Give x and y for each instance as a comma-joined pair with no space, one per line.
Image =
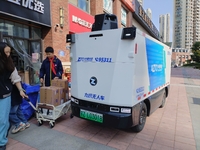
160,7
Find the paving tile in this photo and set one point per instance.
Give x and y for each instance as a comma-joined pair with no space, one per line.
184,126
85,135
185,133
156,146
183,146
152,121
118,144
162,135
104,136
18,146
151,127
164,141
71,131
165,129
148,131
185,140
145,137
59,127
123,137
142,143
11,141
135,147
167,126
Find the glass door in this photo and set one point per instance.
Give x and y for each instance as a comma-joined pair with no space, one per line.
36,59
27,57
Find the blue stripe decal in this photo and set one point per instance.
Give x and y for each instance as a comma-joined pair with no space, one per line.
156,63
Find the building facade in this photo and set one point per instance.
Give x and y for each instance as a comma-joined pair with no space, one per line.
180,56
196,21
164,27
30,26
184,23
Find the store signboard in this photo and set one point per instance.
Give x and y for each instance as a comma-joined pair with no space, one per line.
146,21
79,21
37,11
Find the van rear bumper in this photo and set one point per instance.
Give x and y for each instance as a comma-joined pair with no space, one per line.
111,119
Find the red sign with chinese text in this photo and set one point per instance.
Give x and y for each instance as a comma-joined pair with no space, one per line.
79,20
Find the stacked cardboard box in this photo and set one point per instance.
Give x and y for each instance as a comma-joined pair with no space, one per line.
49,95
56,94
64,84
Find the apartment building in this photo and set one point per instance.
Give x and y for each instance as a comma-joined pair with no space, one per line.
196,21
164,27
184,23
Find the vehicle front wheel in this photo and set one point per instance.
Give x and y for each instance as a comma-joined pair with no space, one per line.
142,119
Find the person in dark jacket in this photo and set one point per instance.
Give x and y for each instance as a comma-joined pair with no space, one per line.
8,77
51,67
16,116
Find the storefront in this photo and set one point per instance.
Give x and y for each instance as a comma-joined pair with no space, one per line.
21,26
79,21
140,15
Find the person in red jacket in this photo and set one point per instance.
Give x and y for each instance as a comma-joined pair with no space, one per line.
51,68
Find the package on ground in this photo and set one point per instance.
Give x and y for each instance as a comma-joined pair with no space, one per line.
49,95
64,84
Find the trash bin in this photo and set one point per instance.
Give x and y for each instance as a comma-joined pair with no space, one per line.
32,92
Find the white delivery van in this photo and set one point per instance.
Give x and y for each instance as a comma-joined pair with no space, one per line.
118,76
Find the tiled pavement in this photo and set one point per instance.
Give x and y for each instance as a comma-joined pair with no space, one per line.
174,127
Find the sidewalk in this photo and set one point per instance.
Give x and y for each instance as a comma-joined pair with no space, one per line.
174,127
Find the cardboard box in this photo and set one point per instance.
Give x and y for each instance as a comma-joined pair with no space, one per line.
43,94
64,84
49,95
54,83
61,94
52,96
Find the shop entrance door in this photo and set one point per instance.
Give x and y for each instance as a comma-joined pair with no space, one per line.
27,57
36,55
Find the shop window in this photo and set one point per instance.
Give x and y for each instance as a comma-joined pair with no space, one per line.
74,2
6,28
123,17
14,29
21,30
84,5
108,6
35,33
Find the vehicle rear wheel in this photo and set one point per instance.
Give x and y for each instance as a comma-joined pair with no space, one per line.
142,119
163,100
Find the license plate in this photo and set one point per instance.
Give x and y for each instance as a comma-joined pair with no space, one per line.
91,115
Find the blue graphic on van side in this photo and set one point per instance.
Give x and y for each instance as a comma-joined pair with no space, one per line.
156,63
